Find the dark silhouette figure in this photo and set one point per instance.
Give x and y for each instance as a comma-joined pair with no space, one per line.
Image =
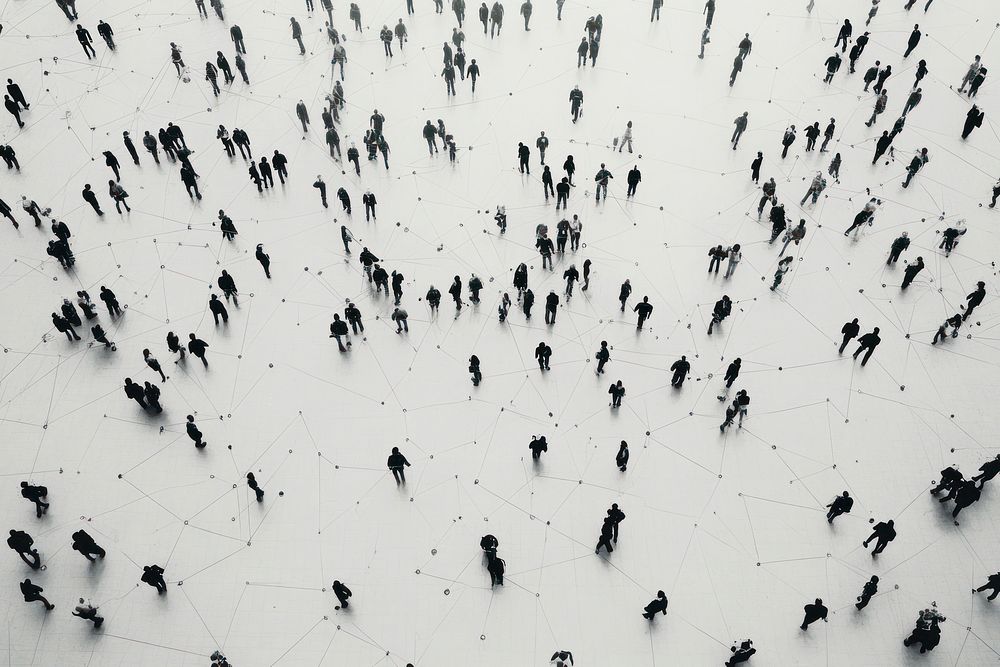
867,344
814,612
657,606
395,463
33,593
85,544
884,532
343,593
153,575
842,504
23,543
870,589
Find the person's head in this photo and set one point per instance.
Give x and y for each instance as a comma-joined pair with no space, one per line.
645,299
683,357
890,522
920,259
875,331
980,284
874,579
86,186
395,450
191,336
819,600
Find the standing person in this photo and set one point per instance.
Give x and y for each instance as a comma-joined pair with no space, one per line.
496,18
88,612
33,593
621,458
198,347
741,126
645,311
680,369
784,266
539,444
297,35
912,101
111,301
149,142
175,58
842,504
844,36
368,199
23,544
624,293
787,140
321,186
153,575
812,134
576,102
338,331
212,76
916,164
62,325
850,331
871,74
264,259
17,95
633,179
236,34
868,342
737,68
32,209
91,198
659,604
14,110
735,256
542,143
526,13
223,64
343,594
617,391
35,495
601,178
130,147
973,119
974,299
194,433
814,612
85,544
900,244
626,138
911,271
395,463
551,305
252,483
154,364
755,167
882,76
522,158
912,42
602,356
705,39
86,41
884,532
992,582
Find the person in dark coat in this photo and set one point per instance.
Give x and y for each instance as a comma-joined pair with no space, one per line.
33,593
974,299
867,344
22,543
395,463
850,331
343,594
252,484
680,369
198,347
194,432
814,612
85,544
35,495
264,259
842,504
91,198
911,271
973,119
657,606
153,575
884,532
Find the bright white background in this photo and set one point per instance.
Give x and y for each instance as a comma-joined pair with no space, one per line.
731,527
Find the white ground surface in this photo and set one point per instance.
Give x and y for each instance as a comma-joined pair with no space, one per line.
730,527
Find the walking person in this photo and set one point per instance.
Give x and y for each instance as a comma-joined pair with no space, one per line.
395,463
867,344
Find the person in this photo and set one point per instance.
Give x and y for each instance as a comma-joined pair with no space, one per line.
551,304
153,363
399,316
911,271
570,275
474,73
645,310
607,533
844,35
355,15
816,187
522,158
617,391
988,471
526,13
22,543
91,198
784,266
395,463
797,233
842,504
197,347
17,95
880,104
968,493
912,42
576,102
194,432
88,612
973,119
814,612
252,484
974,299
680,369
474,368
755,168
33,593
601,178
741,654
901,243
218,309
832,66
559,658
343,594
338,331
538,444
737,68
153,575
949,237
872,11
264,259
35,495
912,100
659,603
62,325
741,126
152,395
14,110
654,13
992,582
496,18
496,567
705,39
977,82
86,41
884,532
626,138
723,307
368,199
787,140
